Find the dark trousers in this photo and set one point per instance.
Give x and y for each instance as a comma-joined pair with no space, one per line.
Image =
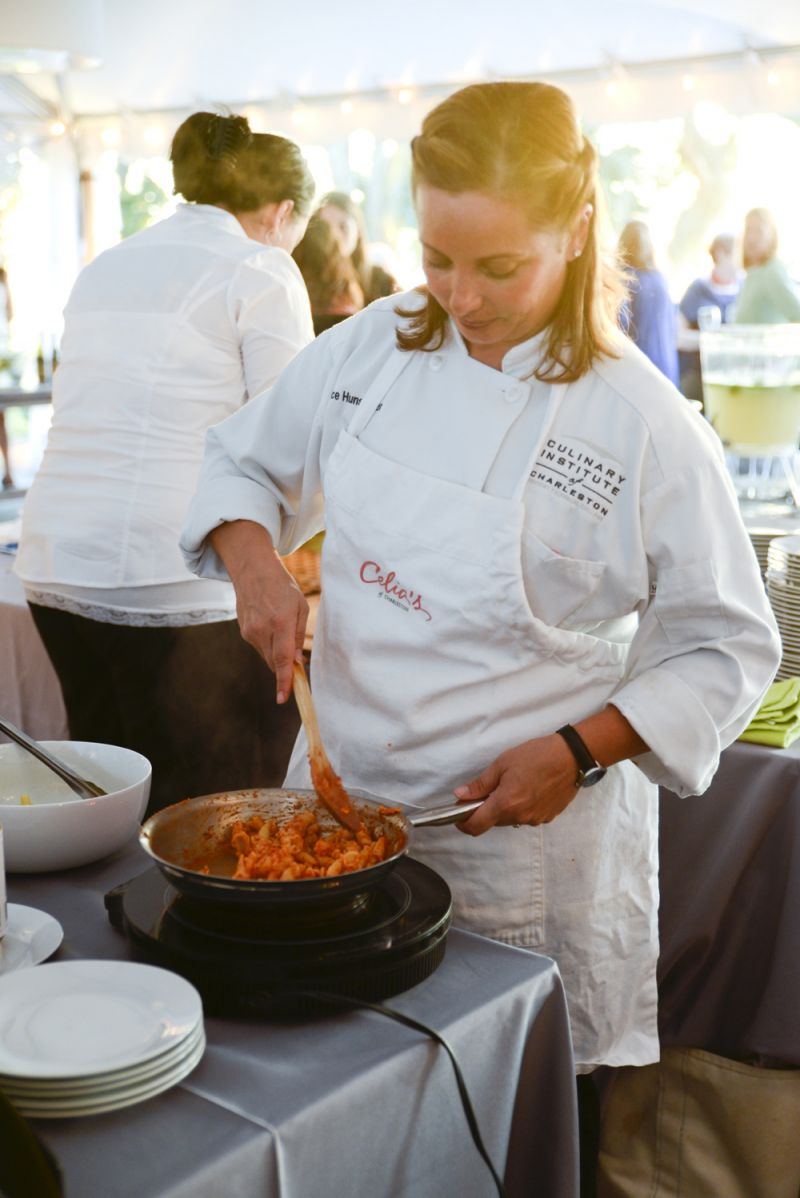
589,1132
198,702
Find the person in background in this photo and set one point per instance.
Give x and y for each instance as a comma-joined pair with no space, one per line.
649,316
519,602
330,278
347,222
768,296
166,334
6,314
718,290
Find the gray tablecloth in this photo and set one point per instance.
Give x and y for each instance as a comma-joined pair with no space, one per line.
352,1104
729,971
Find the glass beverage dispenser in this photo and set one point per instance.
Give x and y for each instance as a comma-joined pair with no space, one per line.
751,395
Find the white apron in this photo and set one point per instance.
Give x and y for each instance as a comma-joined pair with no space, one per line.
427,664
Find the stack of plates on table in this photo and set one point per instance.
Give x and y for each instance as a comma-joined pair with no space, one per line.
783,588
84,1037
761,536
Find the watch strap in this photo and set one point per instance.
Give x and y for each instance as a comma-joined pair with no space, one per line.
579,749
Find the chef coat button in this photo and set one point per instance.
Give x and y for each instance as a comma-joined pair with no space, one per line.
435,362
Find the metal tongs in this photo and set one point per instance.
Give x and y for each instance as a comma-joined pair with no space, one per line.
82,786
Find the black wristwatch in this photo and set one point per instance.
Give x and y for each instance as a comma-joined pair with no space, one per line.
589,770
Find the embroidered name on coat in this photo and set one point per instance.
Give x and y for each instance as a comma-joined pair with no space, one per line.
345,396
578,473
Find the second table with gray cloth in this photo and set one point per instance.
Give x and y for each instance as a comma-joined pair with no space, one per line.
719,1114
350,1103
729,969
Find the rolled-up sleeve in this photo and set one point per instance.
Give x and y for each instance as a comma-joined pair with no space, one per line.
707,645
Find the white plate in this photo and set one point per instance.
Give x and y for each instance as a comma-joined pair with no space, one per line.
31,936
112,1101
77,1087
78,1018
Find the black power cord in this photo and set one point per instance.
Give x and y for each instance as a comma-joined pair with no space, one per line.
469,1112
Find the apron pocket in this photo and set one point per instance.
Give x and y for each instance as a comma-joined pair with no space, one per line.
557,587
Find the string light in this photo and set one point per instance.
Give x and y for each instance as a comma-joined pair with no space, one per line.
405,95
110,136
56,128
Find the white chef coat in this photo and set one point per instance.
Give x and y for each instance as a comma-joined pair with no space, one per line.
638,585
165,334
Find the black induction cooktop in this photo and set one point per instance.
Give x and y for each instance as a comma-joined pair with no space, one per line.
247,961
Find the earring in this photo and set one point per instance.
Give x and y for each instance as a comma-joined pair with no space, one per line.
576,253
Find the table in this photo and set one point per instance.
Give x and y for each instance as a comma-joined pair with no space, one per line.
350,1104
716,1115
18,397
729,970
30,693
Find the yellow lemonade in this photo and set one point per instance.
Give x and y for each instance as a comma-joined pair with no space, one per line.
759,418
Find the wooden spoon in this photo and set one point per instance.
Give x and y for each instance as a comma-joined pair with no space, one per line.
325,780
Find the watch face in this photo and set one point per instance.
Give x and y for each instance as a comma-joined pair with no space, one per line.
596,774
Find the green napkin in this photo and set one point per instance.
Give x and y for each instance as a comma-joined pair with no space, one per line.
777,721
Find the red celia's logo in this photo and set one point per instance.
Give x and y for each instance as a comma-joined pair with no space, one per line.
374,575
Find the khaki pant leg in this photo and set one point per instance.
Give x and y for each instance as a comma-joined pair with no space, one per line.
700,1126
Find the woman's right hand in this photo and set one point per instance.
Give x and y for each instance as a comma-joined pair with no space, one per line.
271,608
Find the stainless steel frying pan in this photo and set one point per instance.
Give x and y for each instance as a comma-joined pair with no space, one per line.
184,838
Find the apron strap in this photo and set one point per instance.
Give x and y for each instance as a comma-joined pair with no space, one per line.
507,478
553,400
388,374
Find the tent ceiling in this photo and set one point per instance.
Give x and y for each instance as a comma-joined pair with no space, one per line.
181,54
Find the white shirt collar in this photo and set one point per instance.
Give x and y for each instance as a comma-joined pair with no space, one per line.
213,214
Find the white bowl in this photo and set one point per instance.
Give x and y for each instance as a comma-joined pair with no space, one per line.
58,830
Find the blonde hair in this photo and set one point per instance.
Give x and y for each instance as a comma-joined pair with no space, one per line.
767,222
521,142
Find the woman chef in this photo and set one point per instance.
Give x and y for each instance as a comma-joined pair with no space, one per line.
536,585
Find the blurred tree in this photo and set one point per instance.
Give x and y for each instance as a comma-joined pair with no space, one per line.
141,200
620,173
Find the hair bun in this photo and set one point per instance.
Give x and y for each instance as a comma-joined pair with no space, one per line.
226,137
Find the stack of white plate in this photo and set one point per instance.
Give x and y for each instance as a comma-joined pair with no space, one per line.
783,588
84,1037
762,536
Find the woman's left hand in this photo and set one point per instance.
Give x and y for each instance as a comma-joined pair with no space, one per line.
529,784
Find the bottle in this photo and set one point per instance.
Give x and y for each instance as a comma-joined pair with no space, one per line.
54,359
40,364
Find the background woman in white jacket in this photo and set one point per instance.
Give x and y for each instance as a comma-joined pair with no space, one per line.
536,586
165,334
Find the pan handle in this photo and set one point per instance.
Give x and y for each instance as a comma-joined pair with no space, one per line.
448,813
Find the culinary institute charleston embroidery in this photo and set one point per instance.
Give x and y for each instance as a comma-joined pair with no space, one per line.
576,471
390,589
